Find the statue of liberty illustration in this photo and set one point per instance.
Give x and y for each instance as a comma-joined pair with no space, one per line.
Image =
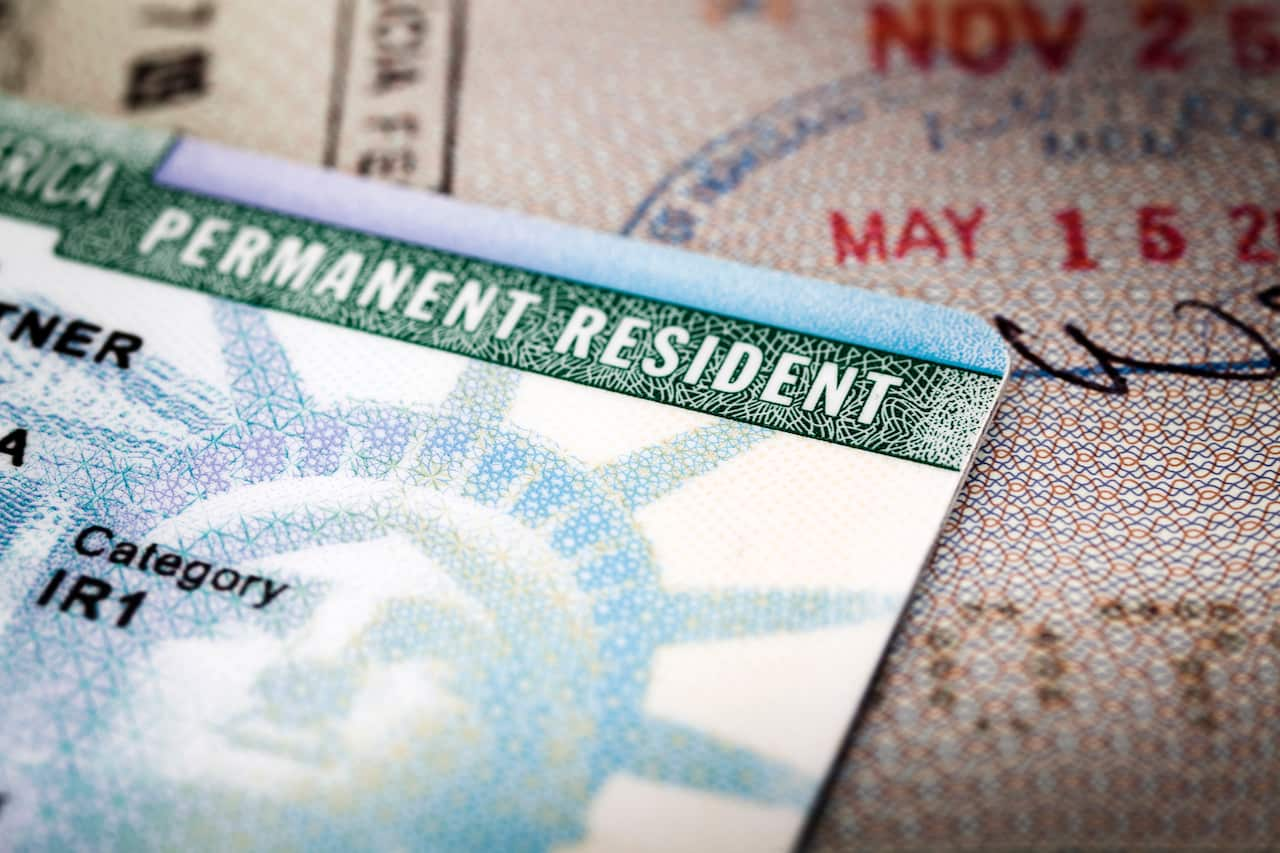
462,656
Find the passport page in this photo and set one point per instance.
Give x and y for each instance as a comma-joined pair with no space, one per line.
335,513
1099,627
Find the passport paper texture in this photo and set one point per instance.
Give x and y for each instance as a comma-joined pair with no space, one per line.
443,550
1098,629
373,75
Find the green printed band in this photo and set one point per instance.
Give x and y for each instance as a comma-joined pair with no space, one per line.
112,215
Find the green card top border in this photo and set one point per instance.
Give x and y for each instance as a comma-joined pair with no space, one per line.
620,338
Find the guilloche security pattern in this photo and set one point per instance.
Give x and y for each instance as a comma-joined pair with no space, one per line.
313,517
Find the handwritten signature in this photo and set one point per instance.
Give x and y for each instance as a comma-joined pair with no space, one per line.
1109,362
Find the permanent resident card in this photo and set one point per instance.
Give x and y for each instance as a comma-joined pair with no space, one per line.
334,513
